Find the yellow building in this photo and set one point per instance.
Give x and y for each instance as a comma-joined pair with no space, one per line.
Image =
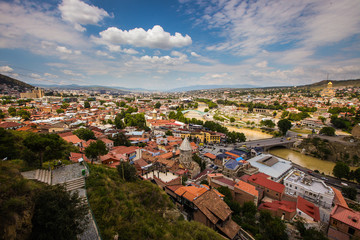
202,136
329,91
35,93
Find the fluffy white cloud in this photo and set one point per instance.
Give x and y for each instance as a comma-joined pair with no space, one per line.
138,37
63,49
262,64
250,26
167,60
35,75
71,73
26,26
80,13
194,54
6,69
50,75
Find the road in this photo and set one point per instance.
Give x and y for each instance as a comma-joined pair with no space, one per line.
267,142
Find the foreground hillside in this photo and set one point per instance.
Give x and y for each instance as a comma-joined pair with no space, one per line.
137,210
14,83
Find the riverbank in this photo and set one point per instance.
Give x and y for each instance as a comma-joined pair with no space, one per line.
250,133
306,161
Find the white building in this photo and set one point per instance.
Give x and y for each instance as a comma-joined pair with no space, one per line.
277,168
298,183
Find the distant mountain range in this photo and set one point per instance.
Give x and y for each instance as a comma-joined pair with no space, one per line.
14,83
22,86
206,87
92,87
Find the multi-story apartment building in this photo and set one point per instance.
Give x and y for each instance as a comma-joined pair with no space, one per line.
298,183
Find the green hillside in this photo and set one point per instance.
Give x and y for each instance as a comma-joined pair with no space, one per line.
13,83
137,210
336,83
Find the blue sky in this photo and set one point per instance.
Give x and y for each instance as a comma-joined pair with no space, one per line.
164,44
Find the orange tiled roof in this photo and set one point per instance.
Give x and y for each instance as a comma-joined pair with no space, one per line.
190,192
246,187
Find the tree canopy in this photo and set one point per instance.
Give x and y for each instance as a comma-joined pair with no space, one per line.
328,131
96,149
58,214
341,170
85,134
284,125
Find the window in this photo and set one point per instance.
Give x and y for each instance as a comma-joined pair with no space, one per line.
286,184
290,185
351,231
295,187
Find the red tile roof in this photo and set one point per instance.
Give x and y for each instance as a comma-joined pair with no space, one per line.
339,198
346,215
190,192
309,208
210,155
286,206
248,188
259,179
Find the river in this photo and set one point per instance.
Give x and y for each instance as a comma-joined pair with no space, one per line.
305,161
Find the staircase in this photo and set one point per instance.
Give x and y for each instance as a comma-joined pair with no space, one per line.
43,175
74,184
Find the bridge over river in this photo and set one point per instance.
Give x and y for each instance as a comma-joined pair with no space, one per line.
269,143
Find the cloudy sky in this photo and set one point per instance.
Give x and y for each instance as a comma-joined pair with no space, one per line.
164,44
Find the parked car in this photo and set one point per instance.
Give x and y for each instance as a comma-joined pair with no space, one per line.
344,184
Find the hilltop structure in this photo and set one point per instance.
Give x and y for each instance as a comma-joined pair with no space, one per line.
329,91
35,93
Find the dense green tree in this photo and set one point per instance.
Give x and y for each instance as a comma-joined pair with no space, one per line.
310,233
96,149
169,133
65,105
233,137
120,139
199,161
172,115
232,119
23,114
127,171
86,104
357,175
328,131
136,120
349,192
2,115
206,110
158,105
8,148
58,214
267,123
58,111
119,124
284,125
85,134
12,111
44,147
272,228
341,170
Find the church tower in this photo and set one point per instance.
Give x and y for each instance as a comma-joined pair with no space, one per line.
185,153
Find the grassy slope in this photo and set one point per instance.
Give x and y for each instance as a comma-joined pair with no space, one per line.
137,210
16,201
